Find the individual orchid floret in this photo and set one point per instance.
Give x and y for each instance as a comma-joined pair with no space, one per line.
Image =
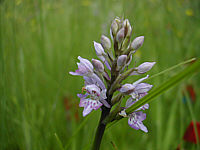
127,88
143,68
135,118
105,42
136,89
101,54
137,42
85,68
140,89
94,101
98,65
121,61
135,121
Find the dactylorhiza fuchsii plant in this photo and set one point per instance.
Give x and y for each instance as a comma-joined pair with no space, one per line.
104,87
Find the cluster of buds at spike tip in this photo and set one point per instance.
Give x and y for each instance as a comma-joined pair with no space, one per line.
105,76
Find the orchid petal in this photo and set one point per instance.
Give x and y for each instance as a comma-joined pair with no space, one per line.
92,89
89,105
99,49
98,81
135,121
86,63
142,88
126,88
140,80
105,103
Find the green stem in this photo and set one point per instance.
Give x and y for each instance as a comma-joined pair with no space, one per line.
100,129
105,111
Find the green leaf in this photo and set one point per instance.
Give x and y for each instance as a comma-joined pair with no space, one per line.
171,82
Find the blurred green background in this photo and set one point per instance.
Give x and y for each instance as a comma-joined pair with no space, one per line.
40,41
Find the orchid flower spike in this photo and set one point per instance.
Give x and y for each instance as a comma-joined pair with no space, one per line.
104,76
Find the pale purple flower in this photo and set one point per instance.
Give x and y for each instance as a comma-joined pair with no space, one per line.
136,87
85,68
101,54
140,89
93,99
135,121
143,68
89,105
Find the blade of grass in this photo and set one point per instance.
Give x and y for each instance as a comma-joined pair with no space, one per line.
169,136
172,68
77,131
161,89
59,142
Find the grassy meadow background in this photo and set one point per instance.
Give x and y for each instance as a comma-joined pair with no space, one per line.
40,41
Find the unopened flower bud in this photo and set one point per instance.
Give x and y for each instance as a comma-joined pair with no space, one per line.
127,26
120,35
99,49
98,65
121,61
105,42
144,67
114,27
137,42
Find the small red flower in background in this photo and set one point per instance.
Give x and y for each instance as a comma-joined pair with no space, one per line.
189,135
71,107
191,92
